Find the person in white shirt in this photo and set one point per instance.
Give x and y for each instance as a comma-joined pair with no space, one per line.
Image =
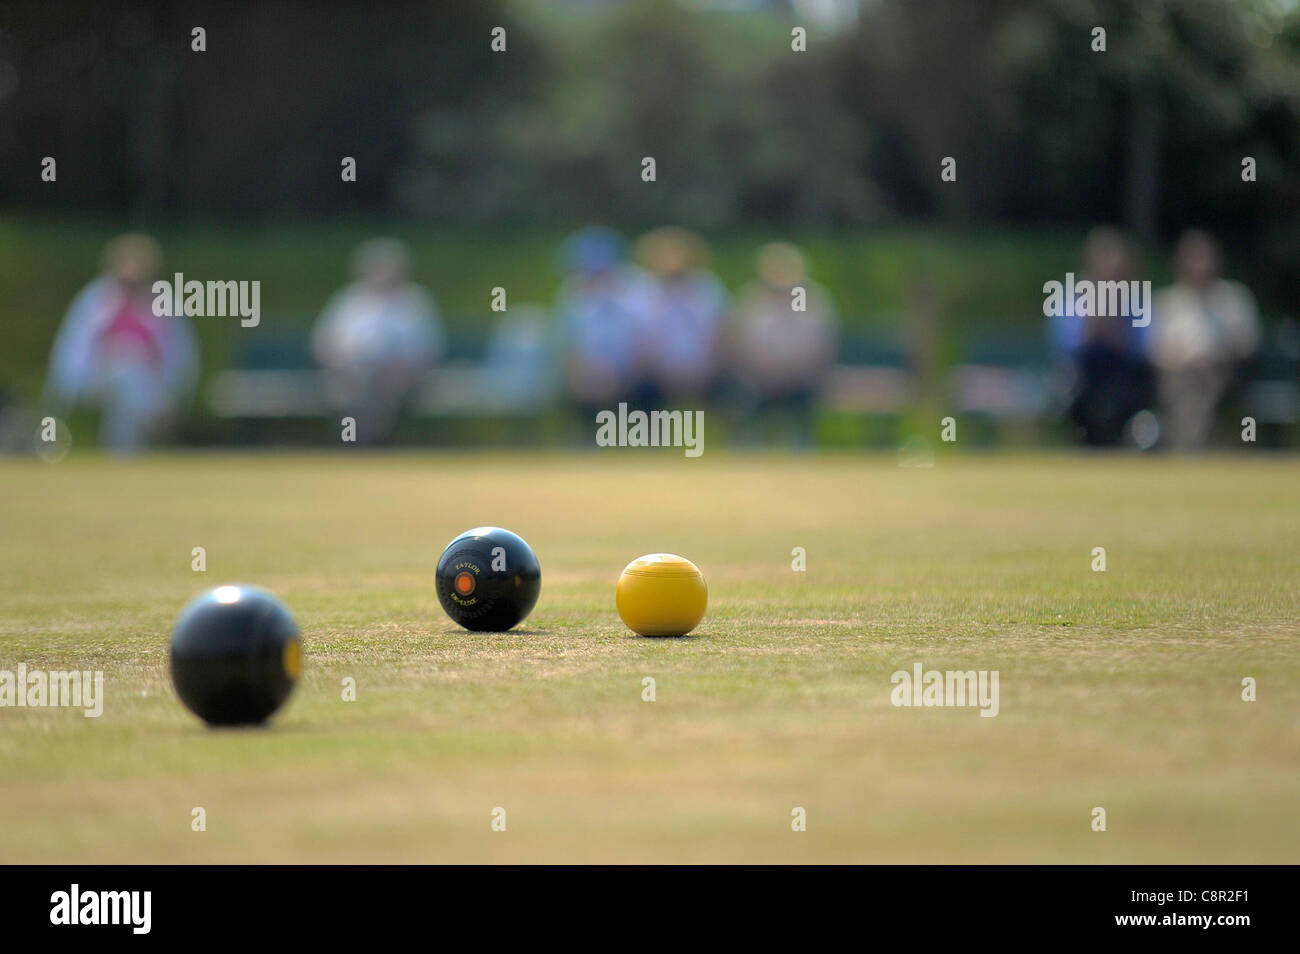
377,338
1204,330
782,339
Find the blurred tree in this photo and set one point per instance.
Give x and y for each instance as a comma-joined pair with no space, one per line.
1149,133
741,129
1044,129
258,123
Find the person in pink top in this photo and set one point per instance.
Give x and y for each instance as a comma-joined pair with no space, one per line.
112,352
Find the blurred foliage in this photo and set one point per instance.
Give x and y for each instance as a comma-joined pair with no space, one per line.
259,123
741,129
744,131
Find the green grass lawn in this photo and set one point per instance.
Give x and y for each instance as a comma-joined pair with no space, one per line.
1119,689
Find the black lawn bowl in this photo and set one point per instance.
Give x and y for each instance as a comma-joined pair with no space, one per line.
488,579
236,655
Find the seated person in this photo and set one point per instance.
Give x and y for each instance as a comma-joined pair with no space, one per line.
114,353
377,338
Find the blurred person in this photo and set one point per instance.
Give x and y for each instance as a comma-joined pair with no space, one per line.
1205,329
1105,362
377,338
113,352
605,309
687,308
780,354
